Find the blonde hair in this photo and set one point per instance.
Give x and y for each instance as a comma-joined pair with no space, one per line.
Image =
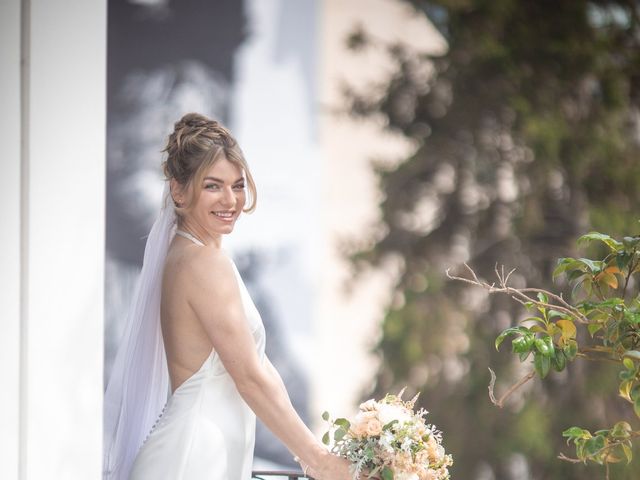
197,142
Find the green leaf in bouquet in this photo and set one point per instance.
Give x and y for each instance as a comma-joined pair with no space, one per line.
387,473
388,426
325,438
369,453
339,434
325,416
342,422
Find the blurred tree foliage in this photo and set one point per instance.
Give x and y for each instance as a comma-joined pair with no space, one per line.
528,135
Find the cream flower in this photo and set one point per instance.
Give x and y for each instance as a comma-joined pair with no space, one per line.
431,475
373,427
370,404
389,413
405,476
357,430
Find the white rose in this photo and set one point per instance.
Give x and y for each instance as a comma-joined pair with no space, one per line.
389,413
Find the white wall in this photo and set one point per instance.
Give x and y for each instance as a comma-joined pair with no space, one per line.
9,235
52,241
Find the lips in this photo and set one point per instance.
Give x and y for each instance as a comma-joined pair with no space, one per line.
224,215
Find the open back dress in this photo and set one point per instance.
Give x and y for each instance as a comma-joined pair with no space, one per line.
206,431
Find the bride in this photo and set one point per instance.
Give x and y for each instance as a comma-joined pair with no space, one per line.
191,373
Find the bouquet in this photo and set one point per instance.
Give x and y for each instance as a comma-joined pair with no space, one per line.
388,440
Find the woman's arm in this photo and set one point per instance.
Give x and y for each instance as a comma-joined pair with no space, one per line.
214,295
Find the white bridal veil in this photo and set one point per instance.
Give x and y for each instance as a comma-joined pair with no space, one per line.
139,384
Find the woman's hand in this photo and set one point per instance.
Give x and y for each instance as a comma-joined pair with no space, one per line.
331,467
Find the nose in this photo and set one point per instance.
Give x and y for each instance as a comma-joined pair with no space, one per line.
229,198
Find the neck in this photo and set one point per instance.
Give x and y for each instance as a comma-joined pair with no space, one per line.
200,233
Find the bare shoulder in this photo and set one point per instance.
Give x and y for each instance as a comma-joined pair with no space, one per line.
209,271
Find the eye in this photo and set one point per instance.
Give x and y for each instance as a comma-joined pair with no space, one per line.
239,186
212,186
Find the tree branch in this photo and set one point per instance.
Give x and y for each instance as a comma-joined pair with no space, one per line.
510,390
520,294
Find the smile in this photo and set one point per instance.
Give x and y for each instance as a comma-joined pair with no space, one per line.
224,215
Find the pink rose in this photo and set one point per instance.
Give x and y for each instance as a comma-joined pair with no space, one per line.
374,427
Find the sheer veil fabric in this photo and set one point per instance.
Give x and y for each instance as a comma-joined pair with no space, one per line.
139,387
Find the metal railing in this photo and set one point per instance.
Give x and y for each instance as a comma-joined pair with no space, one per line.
277,475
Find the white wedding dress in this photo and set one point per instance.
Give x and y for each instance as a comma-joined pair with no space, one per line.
206,430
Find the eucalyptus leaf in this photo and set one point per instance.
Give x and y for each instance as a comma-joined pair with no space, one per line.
387,473
342,422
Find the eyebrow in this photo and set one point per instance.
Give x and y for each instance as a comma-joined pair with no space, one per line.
220,180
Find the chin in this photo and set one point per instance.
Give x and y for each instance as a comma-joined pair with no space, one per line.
224,230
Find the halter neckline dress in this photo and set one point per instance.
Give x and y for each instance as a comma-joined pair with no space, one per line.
206,431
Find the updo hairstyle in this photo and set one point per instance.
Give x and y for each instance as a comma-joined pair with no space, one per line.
196,143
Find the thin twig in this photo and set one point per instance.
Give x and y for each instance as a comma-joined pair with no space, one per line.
562,456
510,390
610,446
628,276
520,294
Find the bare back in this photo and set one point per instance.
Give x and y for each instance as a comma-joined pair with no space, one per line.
186,342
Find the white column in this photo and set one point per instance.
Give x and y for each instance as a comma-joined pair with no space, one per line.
54,240
9,236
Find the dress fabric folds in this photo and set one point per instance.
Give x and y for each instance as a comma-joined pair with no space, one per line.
206,431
